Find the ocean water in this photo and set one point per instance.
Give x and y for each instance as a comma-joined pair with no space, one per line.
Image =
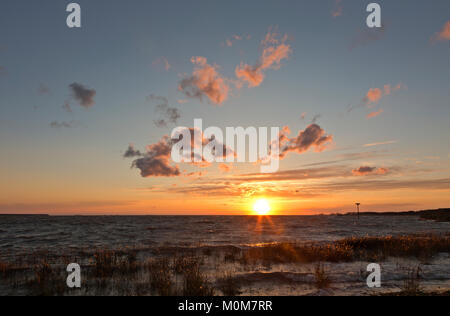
25,234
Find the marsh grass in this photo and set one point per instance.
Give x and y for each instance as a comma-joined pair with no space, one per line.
372,249
7,270
411,285
47,280
321,277
196,273
403,246
161,277
229,285
195,283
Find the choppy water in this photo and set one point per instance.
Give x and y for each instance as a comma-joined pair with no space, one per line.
25,234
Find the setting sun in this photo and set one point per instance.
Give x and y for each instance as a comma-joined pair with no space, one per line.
261,207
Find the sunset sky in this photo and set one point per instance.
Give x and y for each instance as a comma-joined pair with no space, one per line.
368,110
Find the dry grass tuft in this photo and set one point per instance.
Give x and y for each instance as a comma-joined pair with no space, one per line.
321,277
160,277
411,285
229,285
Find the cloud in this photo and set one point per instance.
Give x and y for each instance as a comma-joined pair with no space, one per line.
381,143
83,95
56,124
367,36
338,9
274,51
348,157
303,116
316,118
156,161
230,41
162,61
225,168
375,114
170,114
381,185
443,35
131,152
226,189
205,81
43,89
366,170
295,174
312,136
374,95
202,141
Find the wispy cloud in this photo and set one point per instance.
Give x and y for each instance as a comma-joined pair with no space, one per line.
367,35
381,143
374,96
274,51
66,106
162,61
56,124
443,34
366,170
225,167
131,152
375,114
229,42
338,9
169,114
43,89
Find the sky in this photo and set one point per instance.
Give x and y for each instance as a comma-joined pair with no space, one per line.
84,111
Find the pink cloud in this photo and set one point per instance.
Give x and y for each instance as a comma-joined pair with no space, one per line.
230,41
374,95
375,114
275,50
205,81
443,35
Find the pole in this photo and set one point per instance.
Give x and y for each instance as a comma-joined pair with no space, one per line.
357,206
